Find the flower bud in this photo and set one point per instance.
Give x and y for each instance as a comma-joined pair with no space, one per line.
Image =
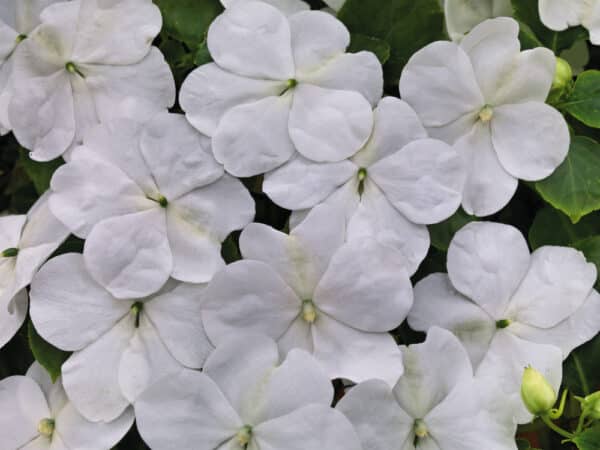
562,76
591,406
537,393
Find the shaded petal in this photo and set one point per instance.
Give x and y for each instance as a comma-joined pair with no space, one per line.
13,317
42,229
288,7
558,15
297,336
53,391
11,228
463,15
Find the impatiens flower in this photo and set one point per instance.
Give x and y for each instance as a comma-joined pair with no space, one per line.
559,15
288,7
435,404
509,308
309,290
245,398
35,414
463,15
26,241
395,185
120,346
281,84
71,71
152,203
487,98
17,19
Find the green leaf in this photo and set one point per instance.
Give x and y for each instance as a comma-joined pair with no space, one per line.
591,249
574,188
188,20
551,227
523,444
584,101
442,233
526,11
380,47
40,173
406,25
589,439
49,357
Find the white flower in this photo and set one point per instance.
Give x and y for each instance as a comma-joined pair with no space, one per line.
487,98
559,15
279,84
26,241
394,186
288,7
152,203
17,19
36,414
463,15
120,346
309,290
435,405
84,57
245,398
509,308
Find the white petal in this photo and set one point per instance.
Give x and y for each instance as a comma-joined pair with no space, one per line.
253,138
11,228
288,7
179,157
558,15
317,111
43,443
53,391
439,83
302,183
432,370
297,336
91,376
489,187
185,411
177,316
252,39
248,296
42,229
346,352
13,317
395,125
366,286
69,309
376,415
130,255
463,15
530,149
424,180
486,263
557,283
209,92
437,303
8,34
317,38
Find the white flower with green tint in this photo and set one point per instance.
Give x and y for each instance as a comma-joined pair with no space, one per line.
463,15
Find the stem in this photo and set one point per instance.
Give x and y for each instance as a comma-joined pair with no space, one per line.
557,413
556,428
580,423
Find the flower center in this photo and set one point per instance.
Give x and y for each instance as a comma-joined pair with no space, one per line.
20,38
420,428
10,252
486,113
361,176
136,310
161,200
46,427
309,312
503,323
291,84
244,435
72,68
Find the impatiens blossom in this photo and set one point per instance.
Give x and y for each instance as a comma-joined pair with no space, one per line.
288,7
71,71
509,308
486,97
120,346
558,15
436,404
463,15
309,290
152,203
281,84
391,189
26,241
17,19
35,414
245,398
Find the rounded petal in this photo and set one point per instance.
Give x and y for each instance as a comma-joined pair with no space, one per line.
463,15
288,7
185,411
53,391
530,149
252,39
11,228
253,138
558,282
12,318
43,230
424,180
68,308
558,15
366,287
130,255
317,111
486,263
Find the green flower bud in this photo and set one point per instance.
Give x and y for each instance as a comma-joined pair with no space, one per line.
562,76
591,406
537,393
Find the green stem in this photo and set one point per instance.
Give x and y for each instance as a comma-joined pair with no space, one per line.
556,428
580,423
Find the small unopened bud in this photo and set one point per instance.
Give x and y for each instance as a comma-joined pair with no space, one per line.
10,252
420,428
563,75
591,406
309,312
46,427
244,435
537,393
486,114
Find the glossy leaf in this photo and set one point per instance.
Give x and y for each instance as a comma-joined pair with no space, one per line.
584,101
49,357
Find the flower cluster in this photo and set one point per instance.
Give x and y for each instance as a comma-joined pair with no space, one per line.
208,355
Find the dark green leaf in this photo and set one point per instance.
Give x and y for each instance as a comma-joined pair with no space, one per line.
40,173
523,444
49,357
584,101
551,227
591,249
442,233
574,187
380,47
589,439
202,55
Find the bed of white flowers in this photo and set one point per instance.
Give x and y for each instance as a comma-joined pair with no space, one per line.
290,225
